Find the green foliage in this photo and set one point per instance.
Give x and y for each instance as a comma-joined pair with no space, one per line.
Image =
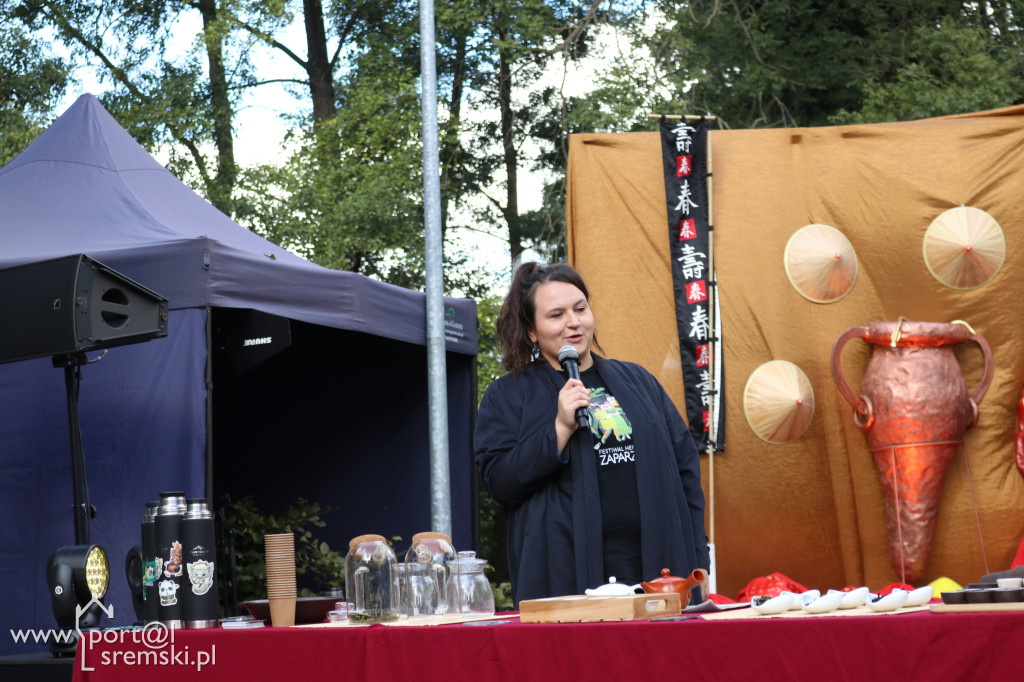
809,62
317,567
946,69
31,84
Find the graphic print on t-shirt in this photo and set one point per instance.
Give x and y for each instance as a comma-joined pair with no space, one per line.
608,421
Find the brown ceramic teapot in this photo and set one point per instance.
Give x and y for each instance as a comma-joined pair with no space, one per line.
671,583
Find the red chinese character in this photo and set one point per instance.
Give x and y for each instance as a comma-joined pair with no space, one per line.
684,166
705,418
703,355
696,292
687,229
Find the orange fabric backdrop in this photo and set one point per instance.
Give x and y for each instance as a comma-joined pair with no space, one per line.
813,508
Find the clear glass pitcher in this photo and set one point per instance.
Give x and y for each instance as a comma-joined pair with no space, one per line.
469,590
371,580
425,579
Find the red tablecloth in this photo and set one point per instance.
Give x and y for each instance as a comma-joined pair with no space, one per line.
911,646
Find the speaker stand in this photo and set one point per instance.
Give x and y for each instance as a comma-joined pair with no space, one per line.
82,510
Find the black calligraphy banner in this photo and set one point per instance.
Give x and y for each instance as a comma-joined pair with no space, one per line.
684,146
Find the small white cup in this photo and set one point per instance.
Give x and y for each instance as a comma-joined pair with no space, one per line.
1010,582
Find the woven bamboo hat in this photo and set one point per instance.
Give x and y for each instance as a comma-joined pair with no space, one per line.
820,263
778,402
964,247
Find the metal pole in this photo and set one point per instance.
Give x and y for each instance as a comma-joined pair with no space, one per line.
440,489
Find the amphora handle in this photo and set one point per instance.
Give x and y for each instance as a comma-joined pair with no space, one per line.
861,405
986,377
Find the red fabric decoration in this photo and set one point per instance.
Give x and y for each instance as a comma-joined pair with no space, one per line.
1019,440
769,586
1018,558
895,586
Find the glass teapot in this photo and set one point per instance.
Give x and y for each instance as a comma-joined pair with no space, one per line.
371,580
469,590
429,565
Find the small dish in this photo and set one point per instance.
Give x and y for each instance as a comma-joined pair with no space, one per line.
889,602
772,605
1003,595
853,598
1009,582
954,597
798,599
822,604
979,595
920,596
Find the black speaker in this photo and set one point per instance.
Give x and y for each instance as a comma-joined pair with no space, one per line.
73,304
251,337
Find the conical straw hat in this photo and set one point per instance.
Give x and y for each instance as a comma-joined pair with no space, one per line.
778,402
964,247
820,263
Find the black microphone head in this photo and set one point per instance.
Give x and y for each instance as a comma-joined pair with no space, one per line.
567,353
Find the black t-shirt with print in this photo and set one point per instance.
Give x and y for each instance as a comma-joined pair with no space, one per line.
616,478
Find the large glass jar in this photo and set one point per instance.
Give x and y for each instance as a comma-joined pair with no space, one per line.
371,580
470,590
427,570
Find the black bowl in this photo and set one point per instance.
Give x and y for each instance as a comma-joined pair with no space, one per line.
979,596
307,609
1007,594
954,597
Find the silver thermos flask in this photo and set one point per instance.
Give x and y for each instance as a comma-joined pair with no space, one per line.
170,565
150,600
199,586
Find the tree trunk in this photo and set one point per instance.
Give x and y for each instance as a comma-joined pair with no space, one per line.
223,186
318,64
452,147
511,209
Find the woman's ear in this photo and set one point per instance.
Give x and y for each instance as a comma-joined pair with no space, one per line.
531,335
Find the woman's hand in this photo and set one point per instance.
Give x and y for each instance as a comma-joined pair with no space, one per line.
572,397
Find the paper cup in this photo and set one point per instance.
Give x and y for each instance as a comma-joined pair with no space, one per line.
282,612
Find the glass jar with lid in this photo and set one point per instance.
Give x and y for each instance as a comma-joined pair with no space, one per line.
470,590
428,568
371,580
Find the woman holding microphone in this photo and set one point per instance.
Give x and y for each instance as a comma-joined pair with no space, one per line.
620,497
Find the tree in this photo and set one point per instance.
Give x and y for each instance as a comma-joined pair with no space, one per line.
31,84
777,63
503,57
158,100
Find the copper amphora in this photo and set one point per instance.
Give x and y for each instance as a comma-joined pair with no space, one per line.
914,410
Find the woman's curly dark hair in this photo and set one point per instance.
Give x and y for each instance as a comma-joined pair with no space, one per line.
516,318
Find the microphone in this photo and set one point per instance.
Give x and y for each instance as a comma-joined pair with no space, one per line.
569,359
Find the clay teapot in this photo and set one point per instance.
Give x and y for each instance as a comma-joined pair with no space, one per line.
671,583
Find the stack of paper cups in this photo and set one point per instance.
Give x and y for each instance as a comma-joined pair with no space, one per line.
280,553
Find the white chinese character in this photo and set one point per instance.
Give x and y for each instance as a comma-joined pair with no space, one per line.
685,202
699,324
704,386
703,356
683,129
692,268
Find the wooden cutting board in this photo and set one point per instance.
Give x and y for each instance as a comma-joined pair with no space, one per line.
586,609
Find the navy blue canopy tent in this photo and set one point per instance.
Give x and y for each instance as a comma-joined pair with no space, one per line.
334,410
